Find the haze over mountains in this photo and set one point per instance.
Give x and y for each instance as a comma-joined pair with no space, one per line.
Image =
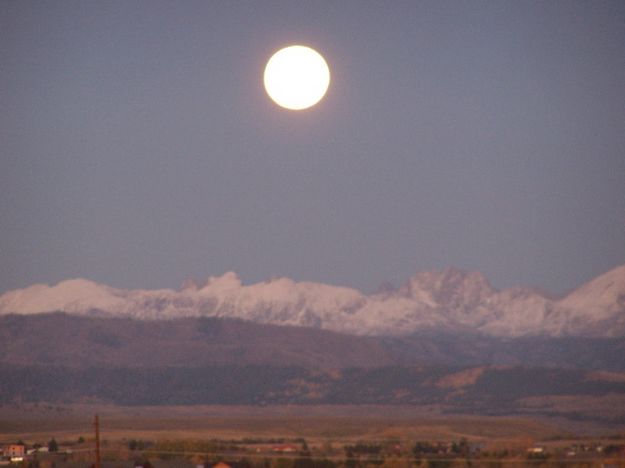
450,301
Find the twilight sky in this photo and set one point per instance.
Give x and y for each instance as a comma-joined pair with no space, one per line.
138,146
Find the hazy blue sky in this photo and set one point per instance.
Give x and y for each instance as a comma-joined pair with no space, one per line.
138,147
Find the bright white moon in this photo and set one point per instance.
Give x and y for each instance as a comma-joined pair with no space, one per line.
296,77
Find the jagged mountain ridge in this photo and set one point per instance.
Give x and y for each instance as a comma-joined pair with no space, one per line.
447,301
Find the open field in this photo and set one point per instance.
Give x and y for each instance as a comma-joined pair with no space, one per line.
317,424
321,436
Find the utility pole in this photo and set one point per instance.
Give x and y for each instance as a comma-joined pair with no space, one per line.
96,423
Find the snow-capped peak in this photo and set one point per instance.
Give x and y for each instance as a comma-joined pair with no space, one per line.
601,297
74,295
229,280
448,300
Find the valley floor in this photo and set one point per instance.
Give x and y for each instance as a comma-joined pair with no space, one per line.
345,423
291,436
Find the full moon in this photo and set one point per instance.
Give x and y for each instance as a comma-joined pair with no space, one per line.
296,77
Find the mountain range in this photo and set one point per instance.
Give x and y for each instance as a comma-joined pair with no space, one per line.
449,301
60,358
446,338
60,339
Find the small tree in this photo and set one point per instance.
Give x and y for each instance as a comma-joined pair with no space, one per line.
53,446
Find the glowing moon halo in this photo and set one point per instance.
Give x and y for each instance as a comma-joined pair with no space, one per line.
296,77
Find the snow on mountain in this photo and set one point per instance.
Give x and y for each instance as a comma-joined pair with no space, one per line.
451,300
603,296
72,296
602,300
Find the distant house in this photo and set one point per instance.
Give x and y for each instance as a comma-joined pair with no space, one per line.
219,464
143,465
15,451
284,448
37,450
536,450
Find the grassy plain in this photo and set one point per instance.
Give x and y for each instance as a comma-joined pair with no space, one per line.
317,424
